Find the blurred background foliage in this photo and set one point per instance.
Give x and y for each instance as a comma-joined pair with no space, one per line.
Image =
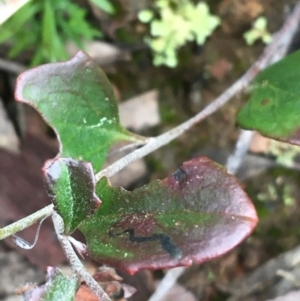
46,25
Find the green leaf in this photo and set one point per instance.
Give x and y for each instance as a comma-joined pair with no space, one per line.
53,47
18,20
57,287
71,187
274,105
77,100
258,31
202,22
105,5
198,213
145,16
78,25
22,43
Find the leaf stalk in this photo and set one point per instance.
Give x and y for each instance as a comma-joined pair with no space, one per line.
25,222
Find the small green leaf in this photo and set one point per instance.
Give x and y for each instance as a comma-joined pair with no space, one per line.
258,31
53,47
274,105
77,100
198,213
71,187
57,287
105,5
145,16
177,25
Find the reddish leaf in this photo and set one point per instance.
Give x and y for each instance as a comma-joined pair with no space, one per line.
198,213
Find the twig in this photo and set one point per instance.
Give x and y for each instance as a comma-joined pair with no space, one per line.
262,276
242,145
167,283
25,222
11,66
22,243
75,263
275,51
130,146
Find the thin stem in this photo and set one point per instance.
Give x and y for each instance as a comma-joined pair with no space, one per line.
22,243
25,222
129,147
168,282
11,66
242,145
276,49
76,265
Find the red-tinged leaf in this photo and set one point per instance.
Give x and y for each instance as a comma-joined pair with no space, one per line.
71,187
198,213
57,287
77,100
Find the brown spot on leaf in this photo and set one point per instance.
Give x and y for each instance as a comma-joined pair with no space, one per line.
265,102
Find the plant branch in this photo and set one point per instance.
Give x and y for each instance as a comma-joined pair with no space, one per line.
11,66
242,145
276,49
76,265
25,222
274,52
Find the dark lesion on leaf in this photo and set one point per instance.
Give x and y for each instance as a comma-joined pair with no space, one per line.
264,102
179,175
164,240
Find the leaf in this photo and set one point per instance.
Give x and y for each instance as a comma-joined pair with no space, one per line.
145,15
18,20
53,47
273,108
177,25
258,31
105,5
57,287
77,100
198,213
71,187
202,22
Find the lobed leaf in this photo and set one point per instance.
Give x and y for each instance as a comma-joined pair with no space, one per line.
196,214
274,105
71,187
57,287
77,100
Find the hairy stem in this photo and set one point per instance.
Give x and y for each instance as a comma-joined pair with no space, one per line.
76,265
25,222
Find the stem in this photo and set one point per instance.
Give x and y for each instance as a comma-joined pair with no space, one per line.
25,222
234,161
169,281
11,66
76,265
